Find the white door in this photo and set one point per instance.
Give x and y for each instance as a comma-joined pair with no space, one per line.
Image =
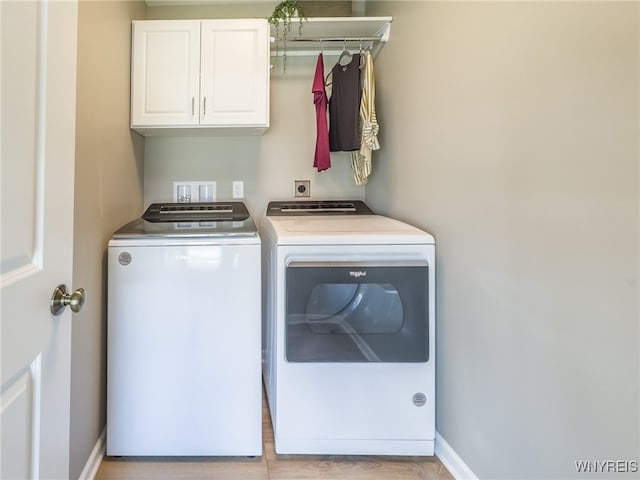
165,69
38,84
234,73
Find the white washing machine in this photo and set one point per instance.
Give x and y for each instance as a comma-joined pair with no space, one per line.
348,330
184,330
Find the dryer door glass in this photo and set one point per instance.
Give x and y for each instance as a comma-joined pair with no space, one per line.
339,312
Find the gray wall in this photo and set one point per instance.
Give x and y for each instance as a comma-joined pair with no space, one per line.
108,193
510,131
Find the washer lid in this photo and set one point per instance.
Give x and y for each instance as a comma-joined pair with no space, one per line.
196,212
192,220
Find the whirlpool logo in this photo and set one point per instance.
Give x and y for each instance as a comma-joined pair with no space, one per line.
358,274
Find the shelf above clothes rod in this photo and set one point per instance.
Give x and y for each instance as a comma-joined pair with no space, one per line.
371,33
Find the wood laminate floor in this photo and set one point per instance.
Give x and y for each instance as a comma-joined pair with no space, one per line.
271,466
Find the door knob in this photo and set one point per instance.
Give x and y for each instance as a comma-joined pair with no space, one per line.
61,299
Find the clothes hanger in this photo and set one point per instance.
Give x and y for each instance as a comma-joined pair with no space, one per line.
345,53
328,82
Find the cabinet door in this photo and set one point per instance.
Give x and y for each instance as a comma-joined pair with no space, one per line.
164,73
234,83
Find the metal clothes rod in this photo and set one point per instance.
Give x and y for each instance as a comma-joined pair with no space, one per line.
333,39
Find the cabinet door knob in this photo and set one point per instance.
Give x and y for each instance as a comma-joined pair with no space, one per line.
204,107
193,106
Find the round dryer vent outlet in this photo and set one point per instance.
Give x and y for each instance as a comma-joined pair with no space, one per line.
419,399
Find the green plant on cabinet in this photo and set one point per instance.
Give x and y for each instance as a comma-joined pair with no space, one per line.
281,19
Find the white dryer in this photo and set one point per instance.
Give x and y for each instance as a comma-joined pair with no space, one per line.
184,323
348,330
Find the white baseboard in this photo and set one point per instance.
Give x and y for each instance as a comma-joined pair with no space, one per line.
452,461
95,459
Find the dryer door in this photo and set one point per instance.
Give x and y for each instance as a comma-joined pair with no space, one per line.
357,312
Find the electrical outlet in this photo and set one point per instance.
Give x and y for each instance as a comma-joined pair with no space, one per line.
301,188
238,189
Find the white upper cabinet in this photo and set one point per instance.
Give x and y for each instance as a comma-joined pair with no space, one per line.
193,76
165,73
234,75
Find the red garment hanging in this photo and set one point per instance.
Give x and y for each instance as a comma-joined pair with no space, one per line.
322,157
